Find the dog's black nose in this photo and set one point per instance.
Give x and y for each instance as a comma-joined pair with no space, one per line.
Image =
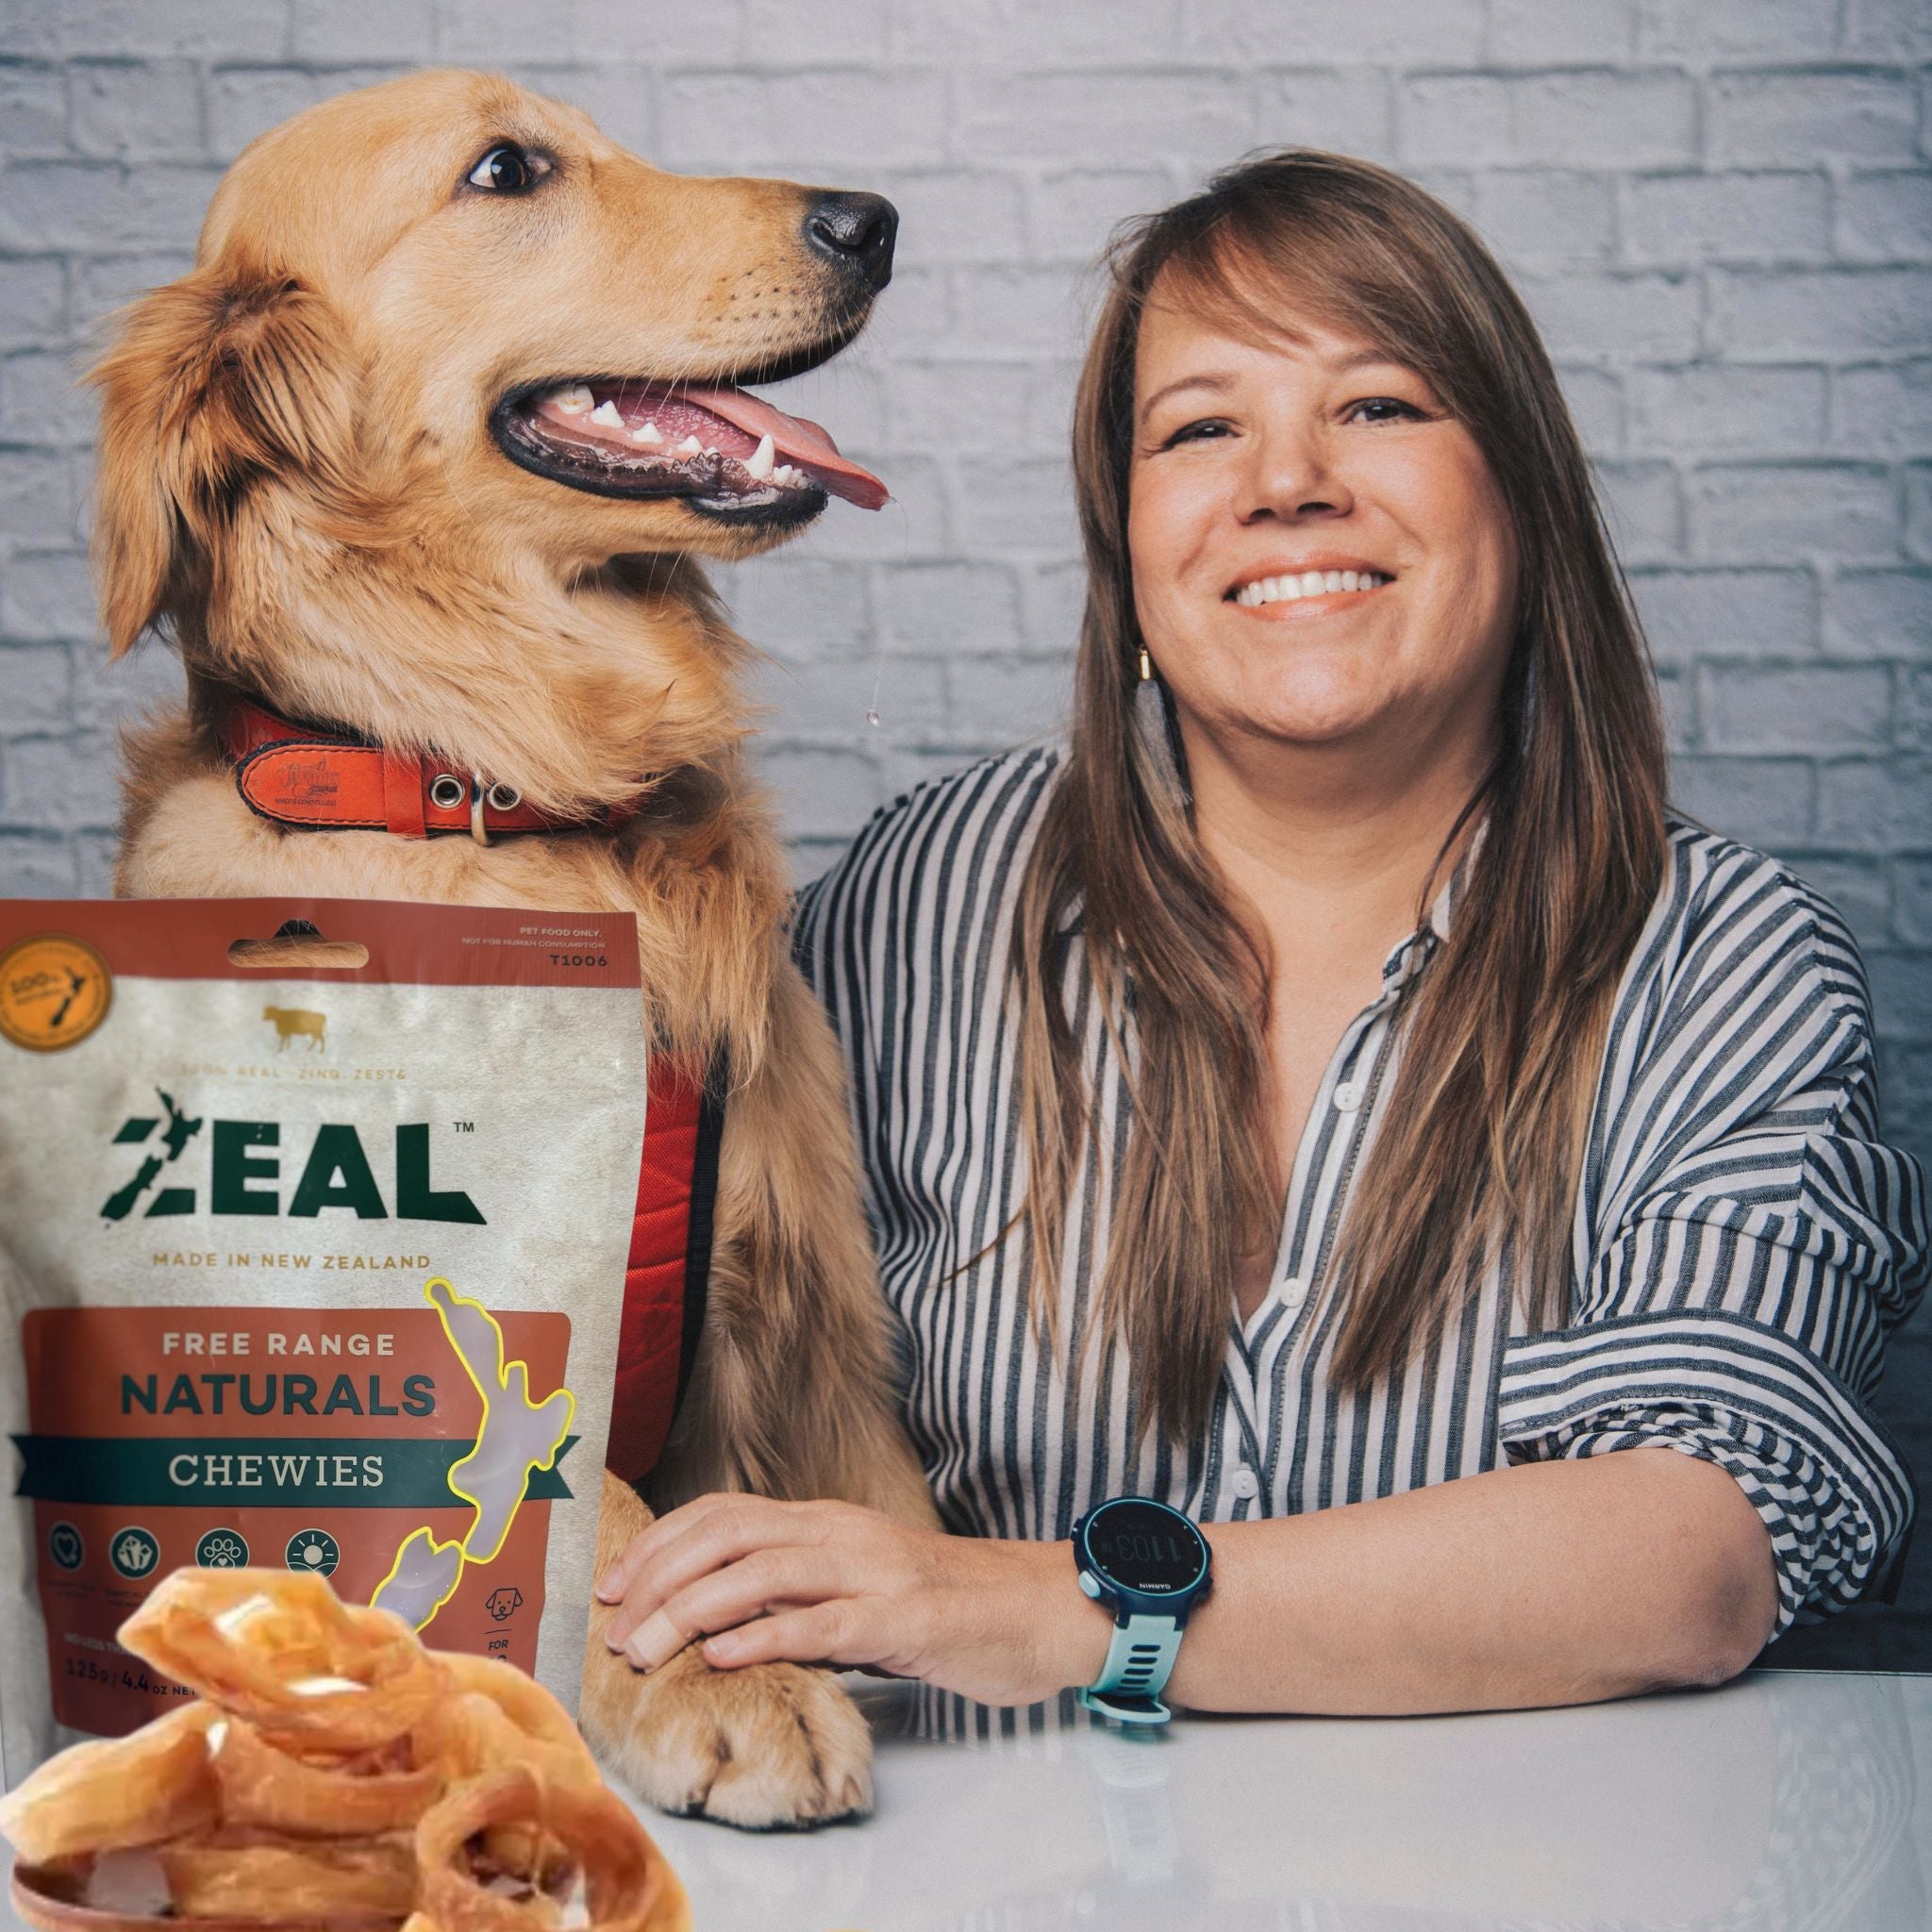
857,232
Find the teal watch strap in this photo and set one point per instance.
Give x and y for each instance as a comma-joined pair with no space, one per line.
1139,1660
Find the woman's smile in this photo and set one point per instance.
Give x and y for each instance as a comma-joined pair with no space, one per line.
1317,586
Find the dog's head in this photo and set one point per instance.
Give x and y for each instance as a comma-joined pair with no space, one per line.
447,293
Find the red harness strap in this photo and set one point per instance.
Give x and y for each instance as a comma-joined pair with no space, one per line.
670,1264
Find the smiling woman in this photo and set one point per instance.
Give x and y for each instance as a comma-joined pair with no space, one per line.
1330,1097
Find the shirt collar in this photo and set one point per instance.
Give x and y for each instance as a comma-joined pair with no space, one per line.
1405,960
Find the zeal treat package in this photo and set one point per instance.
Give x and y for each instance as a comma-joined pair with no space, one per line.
307,1266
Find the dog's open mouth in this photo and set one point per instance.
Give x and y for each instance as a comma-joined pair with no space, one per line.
730,452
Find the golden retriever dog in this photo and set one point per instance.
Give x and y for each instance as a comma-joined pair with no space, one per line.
421,454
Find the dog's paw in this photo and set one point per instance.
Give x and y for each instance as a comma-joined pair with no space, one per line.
769,1747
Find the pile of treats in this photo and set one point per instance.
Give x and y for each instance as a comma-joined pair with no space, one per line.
330,1772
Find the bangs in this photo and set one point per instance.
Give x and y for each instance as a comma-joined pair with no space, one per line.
1261,260
1241,284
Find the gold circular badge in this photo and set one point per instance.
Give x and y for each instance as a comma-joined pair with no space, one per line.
55,990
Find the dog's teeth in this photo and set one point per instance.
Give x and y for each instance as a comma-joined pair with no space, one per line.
761,460
710,451
608,414
691,447
650,434
787,476
573,401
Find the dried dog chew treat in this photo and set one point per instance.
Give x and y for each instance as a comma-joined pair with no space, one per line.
627,1886
134,1790
507,1721
524,1701
264,1786
471,1738
236,1876
212,1816
281,1650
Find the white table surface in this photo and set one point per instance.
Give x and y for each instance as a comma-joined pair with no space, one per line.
1786,1799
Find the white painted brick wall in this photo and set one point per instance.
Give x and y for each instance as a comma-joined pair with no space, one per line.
1721,214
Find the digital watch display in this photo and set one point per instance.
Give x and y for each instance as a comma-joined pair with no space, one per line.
1149,1565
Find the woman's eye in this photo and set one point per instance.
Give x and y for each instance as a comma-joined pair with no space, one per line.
1384,409
1195,432
506,169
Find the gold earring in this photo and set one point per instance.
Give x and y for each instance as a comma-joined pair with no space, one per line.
1146,667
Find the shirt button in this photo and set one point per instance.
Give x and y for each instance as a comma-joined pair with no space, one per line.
1293,1292
1245,1483
1348,1096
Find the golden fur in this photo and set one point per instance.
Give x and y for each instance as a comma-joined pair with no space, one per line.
297,481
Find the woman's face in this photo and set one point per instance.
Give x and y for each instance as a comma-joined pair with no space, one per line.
1320,553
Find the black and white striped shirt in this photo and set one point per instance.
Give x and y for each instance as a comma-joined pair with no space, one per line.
1742,1237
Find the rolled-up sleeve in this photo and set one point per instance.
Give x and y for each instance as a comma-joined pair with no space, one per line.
1755,1240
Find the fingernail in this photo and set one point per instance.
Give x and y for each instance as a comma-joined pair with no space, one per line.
723,1649
610,1585
652,1640
615,1634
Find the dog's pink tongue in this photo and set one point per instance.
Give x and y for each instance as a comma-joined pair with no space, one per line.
796,441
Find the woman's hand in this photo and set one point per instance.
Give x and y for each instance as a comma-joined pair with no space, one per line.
1003,1623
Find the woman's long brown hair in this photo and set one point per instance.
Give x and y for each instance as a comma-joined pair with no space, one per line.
1481,1140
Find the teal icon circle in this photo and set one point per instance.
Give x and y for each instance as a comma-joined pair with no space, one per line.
223,1549
134,1553
314,1551
67,1546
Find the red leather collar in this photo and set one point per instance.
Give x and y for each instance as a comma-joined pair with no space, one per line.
304,775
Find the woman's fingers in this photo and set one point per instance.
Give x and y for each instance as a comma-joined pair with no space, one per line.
838,1632
765,1580
619,1577
701,1540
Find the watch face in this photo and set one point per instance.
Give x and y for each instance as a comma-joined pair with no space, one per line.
1146,1546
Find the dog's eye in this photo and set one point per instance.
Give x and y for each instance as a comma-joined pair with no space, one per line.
506,169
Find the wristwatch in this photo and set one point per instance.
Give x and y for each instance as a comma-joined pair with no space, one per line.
1149,1565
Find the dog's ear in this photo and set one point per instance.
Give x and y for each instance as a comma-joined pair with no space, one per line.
211,384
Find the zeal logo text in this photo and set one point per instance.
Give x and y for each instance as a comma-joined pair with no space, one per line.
247,1165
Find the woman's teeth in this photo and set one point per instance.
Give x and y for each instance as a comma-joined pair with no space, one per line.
1310,583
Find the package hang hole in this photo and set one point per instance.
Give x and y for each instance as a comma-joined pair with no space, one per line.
297,944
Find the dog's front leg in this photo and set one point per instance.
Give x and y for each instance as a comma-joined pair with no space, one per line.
790,1396
773,1745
